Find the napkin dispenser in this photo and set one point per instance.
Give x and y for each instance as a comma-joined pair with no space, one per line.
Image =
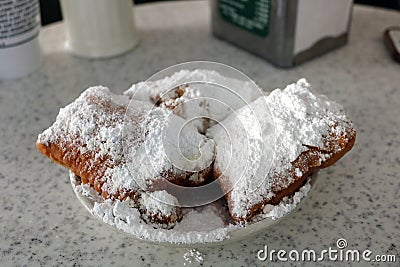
285,32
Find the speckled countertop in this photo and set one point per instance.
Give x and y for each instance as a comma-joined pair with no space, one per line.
42,223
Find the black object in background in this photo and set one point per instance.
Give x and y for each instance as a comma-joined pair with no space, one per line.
50,9
394,4
391,37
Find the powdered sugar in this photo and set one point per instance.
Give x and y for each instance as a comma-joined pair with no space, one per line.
139,140
120,146
202,219
205,224
298,172
197,94
267,136
127,219
193,255
151,203
286,205
139,143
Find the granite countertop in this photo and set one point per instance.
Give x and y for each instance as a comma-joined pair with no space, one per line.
42,222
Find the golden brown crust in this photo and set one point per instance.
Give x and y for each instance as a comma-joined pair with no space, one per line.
91,168
64,146
171,96
308,162
91,171
85,166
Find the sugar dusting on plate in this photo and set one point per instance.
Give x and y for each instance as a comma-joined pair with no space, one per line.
200,225
193,256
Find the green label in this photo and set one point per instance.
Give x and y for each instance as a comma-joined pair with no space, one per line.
251,15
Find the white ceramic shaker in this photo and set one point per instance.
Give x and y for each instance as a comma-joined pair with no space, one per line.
20,52
99,28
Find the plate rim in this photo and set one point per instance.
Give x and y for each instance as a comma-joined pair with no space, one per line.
234,235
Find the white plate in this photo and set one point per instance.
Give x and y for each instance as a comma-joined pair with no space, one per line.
234,234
